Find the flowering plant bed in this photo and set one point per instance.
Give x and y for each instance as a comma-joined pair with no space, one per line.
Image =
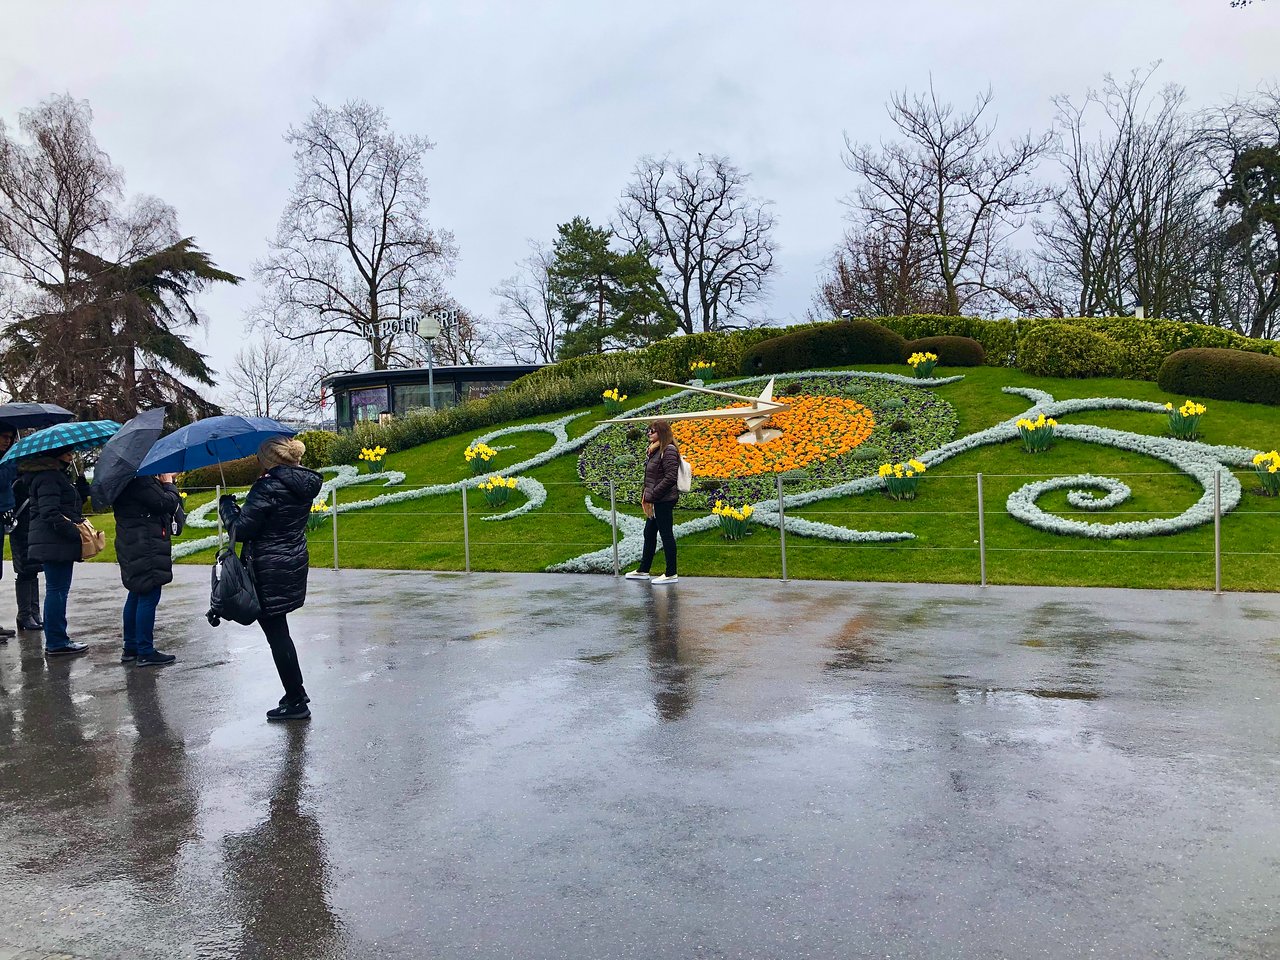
922,364
733,520
1037,434
1184,422
838,428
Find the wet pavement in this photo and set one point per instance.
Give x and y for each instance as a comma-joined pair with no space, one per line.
556,766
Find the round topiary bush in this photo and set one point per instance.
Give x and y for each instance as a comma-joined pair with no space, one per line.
235,473
1065,350
951,351
837,344
319,445
1222,375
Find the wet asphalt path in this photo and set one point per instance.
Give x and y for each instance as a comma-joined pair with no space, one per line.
555,766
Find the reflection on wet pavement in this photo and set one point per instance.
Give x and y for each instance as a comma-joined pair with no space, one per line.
582,767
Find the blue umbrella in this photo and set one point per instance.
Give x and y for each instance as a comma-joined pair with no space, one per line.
64,436
209,441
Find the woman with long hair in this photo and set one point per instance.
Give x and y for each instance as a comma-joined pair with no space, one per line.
661,491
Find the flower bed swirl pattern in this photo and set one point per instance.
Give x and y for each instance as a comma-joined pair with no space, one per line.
1204,462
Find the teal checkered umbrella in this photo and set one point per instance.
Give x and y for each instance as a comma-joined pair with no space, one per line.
64,436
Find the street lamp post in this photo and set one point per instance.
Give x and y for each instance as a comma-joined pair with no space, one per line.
429,329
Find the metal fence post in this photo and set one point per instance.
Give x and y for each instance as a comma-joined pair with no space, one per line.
217,498
782,528
613,524
982,538
1217,531
466,531
334,518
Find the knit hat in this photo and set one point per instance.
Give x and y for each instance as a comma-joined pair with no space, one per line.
281,451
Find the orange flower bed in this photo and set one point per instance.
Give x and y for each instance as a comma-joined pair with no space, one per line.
813,430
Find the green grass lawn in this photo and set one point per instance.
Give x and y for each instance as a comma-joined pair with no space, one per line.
428,533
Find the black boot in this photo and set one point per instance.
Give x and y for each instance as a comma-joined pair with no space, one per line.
28,596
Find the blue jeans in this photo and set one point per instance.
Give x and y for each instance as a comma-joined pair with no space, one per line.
57,587
140,622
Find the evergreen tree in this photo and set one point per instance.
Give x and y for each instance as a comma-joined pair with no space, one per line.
607,299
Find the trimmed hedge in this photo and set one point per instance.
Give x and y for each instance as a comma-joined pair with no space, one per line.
1067,350
1222,374
319,444
835,344
238,473
670,359
1147,343
999,338
951,351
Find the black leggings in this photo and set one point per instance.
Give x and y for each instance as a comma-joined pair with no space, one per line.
282,650
662,522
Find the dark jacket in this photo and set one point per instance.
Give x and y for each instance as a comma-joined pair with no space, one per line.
272,525
145,511
22,526
56,504
661,474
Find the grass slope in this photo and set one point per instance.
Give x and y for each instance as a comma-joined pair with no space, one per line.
428,533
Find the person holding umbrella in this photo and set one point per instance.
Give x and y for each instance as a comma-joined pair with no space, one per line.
272,525
148,513
56,504
57,492
16,518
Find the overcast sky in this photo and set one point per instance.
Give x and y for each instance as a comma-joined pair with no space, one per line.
540,110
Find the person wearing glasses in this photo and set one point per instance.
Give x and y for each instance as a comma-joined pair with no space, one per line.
661,491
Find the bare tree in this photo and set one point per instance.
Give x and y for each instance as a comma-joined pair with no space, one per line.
1242,288
56,192
1131,222
878,271
947,174
531,328
711,239
269,378
463,340
98,289
354,255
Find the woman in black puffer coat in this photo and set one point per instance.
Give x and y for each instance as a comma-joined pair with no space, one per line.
272,525
56,497
146,512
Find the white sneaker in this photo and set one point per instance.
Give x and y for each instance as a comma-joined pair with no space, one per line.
637,575
663,578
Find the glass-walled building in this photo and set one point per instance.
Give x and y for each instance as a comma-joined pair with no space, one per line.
364,397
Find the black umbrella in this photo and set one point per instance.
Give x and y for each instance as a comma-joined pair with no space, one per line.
34,416
119,460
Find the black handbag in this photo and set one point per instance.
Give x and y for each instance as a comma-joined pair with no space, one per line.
233,595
